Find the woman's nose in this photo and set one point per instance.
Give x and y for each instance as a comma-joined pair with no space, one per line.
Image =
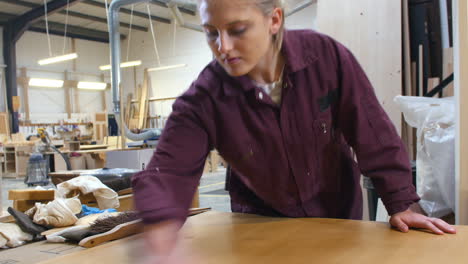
224,43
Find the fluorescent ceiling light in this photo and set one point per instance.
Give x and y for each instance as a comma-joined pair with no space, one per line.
46,83
66,57
122,65
162,68
92,85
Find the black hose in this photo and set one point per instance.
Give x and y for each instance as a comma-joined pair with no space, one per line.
65,157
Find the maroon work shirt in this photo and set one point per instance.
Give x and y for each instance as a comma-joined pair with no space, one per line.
290,160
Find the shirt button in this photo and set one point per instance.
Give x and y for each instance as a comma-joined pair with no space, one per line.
308,173
260,95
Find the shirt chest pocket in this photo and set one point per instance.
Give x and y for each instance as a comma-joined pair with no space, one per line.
327,160
323,132
323,140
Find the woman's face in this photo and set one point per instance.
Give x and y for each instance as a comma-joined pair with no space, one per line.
238,33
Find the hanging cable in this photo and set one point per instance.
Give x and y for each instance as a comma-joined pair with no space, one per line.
47,28
107,11
174,38
66,26
130,32
152,34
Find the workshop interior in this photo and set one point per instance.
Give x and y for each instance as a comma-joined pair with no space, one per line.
94,94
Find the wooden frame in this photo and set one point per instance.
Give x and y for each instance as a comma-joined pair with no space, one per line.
460,21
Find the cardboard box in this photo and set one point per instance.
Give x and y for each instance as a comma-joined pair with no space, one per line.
130,159
78,162
95,160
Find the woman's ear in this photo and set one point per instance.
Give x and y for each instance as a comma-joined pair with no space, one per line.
276,20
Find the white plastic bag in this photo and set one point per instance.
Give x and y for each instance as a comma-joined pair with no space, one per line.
434,119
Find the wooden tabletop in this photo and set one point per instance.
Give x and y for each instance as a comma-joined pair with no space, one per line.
216,238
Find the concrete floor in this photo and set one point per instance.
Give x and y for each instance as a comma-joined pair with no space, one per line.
211,190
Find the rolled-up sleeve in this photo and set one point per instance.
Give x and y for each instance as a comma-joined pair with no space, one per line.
165,189
380,152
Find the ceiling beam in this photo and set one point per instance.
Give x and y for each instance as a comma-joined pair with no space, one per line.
22,22
72,31
128,11
21,3
181,8
102,20
4,17
75,14
70,34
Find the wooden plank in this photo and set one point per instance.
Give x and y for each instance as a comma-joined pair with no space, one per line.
128,107
24,205
100,117
68,106
406,49
122,135
25,90
31,194
365,27
16,103
104,95
447,70
196,200
143,102
1,192
100,126
76,100
432,83
133,123
125,191
87,147
146,111
420,70
5,101
126,203
407,131
7,219
4,124
461,93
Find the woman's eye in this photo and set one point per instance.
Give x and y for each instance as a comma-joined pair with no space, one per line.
238,32
211,34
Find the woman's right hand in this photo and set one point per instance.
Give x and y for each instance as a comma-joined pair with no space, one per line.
163,245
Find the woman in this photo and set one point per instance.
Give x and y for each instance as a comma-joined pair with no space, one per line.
283,108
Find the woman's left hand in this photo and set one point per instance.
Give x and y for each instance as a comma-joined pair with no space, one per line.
405,220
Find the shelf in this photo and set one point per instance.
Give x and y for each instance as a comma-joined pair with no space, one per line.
53,124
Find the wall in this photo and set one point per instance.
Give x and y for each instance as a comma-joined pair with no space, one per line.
48,105
371,29
306,18
190,49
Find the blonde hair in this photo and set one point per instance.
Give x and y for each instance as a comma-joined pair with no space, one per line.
267,7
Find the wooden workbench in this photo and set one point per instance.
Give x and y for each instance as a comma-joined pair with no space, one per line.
239,238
